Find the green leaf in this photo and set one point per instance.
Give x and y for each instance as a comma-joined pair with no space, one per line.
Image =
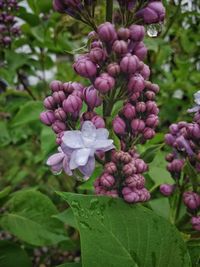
67,217
29,112
11,255
116,234
30,219
149,155
5,192
4,134
47,141
191,172
89,184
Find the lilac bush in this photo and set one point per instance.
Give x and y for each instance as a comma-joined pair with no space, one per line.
114,66
8,27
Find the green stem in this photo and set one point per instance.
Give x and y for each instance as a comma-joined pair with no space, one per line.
109,10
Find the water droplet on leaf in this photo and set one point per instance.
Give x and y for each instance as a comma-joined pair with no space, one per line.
153,30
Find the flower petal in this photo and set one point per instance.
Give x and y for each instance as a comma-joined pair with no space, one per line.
197,98
194,109
88,131
102,144
73,139
66,150
55,159
82,156
102,133
66,166
107,148
88,169
57,169
72,164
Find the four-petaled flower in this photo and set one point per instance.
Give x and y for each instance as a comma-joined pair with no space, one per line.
196,108
78,149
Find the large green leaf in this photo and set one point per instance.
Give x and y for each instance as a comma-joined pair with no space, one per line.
70,264
115,234
29,112
11,255
30,218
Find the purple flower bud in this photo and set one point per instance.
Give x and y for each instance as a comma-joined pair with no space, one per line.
107,180
110,167
112,193
104,83
191,200
119,126
124,33
56,86
96,44
85,68
195,221
60,114
49,103
91,97
153,13
137,32
129,111
93,35
193,130
150,95
47,117
59,97
167,189
135,96
140,107
129,169
98,121
140,50
152,121
7,40
145,71
148,133
143,194
152,87
136,83
151,107
169,139
72,104
97,55
129,64
113,69
135,181
78,93
120,47
106,32
69,87
129,195
141,166
170,157
137,125
59,138
58,127
175,166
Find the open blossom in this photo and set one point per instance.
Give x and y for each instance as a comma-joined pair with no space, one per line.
196,108
78,149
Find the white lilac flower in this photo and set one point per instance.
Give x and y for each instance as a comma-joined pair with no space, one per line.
196,108
78,149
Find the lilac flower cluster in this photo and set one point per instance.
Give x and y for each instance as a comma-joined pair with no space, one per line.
123,177
8,28
184,140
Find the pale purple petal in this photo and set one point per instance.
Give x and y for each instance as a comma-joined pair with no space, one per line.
82,156
73,139
184,144
88,169
56,169
107,148
102,133
88,131
194,109
197,98
66,166
72,164
67,150
102,144
55,159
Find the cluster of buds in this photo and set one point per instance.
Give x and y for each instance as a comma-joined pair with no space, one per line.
8,27
78,9
64,107
183,137
122,177
114,65
147,12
